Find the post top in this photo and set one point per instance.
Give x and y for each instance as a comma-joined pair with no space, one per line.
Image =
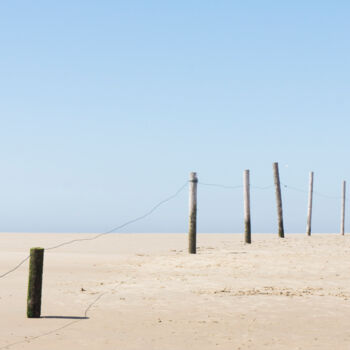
193,177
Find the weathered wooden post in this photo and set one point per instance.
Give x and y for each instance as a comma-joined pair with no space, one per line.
247,224
309,206
276,177
35,282
192,233
342,226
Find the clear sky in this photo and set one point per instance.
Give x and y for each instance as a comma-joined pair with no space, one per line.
106,106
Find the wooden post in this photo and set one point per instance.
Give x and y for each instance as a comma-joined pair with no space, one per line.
276,177
193,214
342,226
35,282
247,224
309,206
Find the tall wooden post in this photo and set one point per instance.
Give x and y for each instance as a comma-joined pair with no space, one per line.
276,177
247,224
342,226
35,282
192,233
309,206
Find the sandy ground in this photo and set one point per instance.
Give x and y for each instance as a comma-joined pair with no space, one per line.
143,291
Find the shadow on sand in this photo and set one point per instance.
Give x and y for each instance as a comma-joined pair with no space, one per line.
67,317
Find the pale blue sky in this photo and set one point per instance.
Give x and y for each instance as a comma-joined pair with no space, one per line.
106,106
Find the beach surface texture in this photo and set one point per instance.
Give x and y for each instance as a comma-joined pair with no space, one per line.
145,292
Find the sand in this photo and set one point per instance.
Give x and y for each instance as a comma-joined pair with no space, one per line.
143,291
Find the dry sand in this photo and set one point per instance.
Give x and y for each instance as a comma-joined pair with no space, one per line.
291,293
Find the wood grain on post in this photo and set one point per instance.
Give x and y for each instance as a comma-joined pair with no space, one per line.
309,206
342,226
192,233
247,224
276,177
35,282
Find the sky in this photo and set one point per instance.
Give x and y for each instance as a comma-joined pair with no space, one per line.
107,106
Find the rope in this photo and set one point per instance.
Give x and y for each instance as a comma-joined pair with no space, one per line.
315,192
229,187
221,186
148,213
15,268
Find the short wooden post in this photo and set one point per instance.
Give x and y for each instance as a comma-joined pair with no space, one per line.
247,224
35,282
192,233
342,226
276,177
309,206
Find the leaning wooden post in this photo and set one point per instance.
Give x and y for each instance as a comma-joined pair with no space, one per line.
193,214
276,177
35,282
309,206
342,226
247,225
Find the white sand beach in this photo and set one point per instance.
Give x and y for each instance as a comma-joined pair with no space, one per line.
146,292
